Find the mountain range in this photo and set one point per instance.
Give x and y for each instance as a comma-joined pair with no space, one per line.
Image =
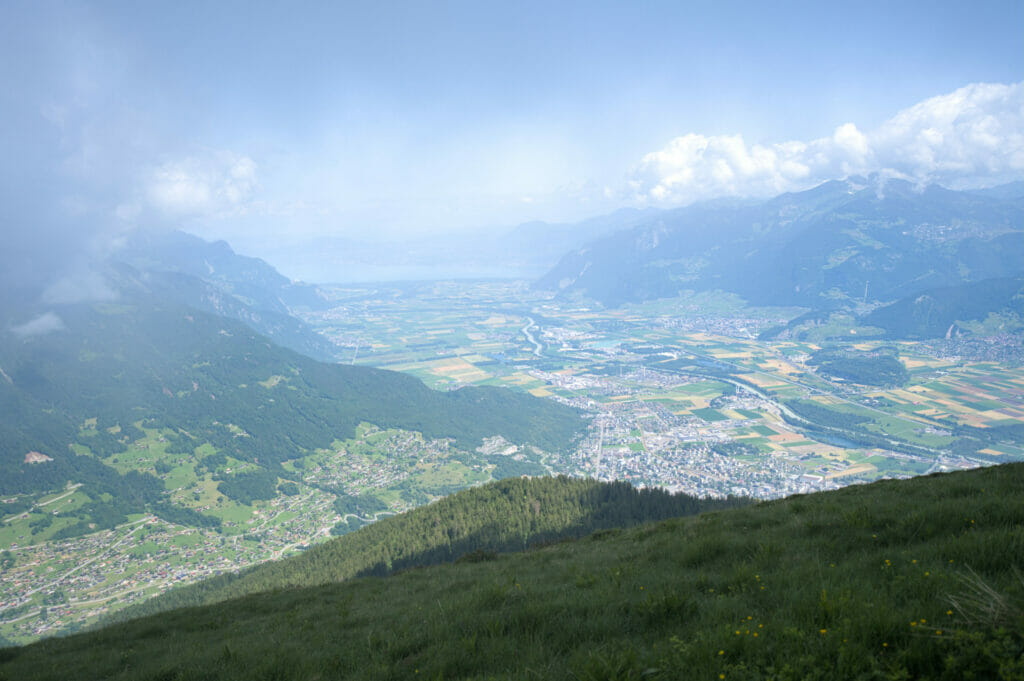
851,243
210,276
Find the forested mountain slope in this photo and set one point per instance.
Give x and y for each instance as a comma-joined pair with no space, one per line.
105,370
507,515
935,313
861,239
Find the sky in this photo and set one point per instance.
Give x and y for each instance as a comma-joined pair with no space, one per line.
276,125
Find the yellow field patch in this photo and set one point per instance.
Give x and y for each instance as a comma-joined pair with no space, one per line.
785,436
932,412
457,369
438,332
856,469
518,379
954,407
474,374
780,366
495,320
993,415
909,396
473,358
539,392
762,381
973,420
731,354
464,376
476,336
991,452
443,367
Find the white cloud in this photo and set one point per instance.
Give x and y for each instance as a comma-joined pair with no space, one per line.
79,286
220,183
974,135
43,324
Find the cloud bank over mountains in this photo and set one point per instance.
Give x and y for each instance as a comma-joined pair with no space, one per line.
48,322
973,136
214,184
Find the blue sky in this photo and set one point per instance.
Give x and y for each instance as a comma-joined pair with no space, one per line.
265,123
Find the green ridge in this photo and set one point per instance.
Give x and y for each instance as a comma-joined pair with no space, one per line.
507,515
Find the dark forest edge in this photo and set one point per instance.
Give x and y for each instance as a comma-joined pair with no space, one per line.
508,515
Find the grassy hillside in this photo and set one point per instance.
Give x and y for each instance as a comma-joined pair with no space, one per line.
895,580
507,515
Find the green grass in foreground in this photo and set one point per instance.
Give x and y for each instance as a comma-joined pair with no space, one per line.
916,579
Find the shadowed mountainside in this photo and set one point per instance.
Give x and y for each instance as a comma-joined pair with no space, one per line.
507,515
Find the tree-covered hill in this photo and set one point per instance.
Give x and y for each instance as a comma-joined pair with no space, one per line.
206,379
880,367
911,579
507,515
935,313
